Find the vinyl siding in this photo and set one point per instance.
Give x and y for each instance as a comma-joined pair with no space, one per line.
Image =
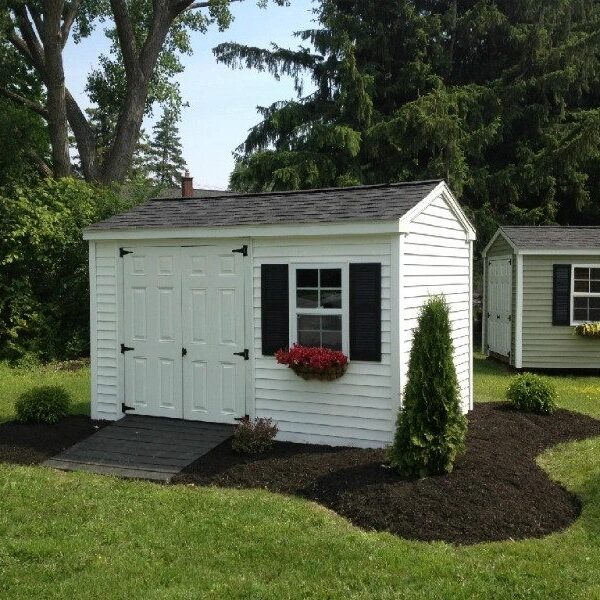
104,323
501,247
355,410
436,259
544,345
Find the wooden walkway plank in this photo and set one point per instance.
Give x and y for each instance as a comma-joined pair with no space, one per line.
143,447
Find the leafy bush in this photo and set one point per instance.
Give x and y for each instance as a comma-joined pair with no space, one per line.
44,265
431,428
47,404
254,437
531,393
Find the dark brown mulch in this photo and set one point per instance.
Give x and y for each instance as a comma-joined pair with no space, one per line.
32,444
496,491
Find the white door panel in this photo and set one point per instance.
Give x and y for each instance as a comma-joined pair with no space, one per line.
213,306
152,327
192,298
499,306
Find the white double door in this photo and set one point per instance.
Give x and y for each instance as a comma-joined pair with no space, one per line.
183,324
499,305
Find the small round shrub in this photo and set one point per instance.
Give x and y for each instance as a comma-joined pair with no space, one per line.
47,404
531,393
254,437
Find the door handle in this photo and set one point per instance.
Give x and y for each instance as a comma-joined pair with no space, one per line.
184,352
245,354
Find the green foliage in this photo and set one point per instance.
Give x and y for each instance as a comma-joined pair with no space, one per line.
165,152
531,393
47,404
44,297
254,437
431,429
501,99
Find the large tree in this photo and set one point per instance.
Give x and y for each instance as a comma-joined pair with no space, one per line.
147,36
500,98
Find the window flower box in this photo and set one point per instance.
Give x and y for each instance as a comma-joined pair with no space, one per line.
591,330
318,363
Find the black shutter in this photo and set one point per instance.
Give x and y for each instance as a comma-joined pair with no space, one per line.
561,295
274,311
365,312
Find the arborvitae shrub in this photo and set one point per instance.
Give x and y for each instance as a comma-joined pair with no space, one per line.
47,404
431,429
531,393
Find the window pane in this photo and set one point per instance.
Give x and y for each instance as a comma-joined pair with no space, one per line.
595,287
307,278
594,314
595,273
331,299
581,303
309,338
332,339
580,314
332,278
307,298
582,273
595,302
582,286
306,322
333,323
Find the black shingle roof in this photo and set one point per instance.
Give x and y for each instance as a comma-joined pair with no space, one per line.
364,203
553,237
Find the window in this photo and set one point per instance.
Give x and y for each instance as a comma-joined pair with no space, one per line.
585,297
319,306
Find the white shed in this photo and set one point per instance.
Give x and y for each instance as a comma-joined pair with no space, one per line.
191,297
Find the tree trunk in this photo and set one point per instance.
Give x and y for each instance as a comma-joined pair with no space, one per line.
55,84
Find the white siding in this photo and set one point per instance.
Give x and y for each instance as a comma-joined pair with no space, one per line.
104,323
436,259
355,410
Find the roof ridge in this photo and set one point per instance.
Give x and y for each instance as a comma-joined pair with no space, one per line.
548,226
312,190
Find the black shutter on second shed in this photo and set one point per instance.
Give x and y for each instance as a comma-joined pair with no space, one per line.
275,320
365,312
561,295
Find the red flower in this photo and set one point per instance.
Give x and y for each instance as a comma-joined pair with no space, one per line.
320,359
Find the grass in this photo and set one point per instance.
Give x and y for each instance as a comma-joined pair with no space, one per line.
74,535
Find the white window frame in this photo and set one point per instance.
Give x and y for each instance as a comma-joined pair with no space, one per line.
344,312
575,294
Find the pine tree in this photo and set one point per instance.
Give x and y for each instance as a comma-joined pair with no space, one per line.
431,429
166,159
499,98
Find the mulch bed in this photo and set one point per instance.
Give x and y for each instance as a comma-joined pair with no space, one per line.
496,491
32,444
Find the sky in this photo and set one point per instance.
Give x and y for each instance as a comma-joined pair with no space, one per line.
222,101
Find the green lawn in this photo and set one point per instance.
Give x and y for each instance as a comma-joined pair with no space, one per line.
80,535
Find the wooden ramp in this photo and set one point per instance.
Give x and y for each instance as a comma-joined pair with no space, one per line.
142,447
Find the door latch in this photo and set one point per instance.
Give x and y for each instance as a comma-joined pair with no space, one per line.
184,352
125,348
243,250
245,354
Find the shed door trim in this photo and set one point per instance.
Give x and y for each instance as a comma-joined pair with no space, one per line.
499,306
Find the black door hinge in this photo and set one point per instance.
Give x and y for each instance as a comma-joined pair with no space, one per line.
243,250
184,352
245,354
125,348
125,408
123,252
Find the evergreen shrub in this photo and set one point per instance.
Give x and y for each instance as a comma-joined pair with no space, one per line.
431,428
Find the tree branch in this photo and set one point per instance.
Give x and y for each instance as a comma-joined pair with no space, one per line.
21,100
68,19
36,16
35,50
40,164
126,37
180,5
